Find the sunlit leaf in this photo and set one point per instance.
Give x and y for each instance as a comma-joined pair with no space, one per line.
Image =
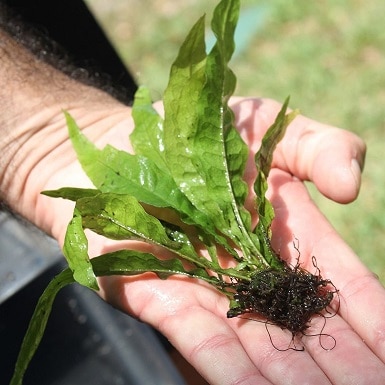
71,193
38,324
122,217
263,161
198,126
75,250
147,138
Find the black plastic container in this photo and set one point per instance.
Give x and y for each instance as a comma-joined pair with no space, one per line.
86,340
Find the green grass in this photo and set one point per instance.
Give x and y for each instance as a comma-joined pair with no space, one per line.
328,55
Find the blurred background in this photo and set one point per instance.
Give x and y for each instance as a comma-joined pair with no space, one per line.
329,56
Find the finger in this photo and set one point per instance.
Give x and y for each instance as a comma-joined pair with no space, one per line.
212,347
361,295
350,361
182,309
331,158
269,348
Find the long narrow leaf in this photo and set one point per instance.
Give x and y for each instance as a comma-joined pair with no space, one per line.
147,137
111,170
197,134
215,119
121,217
38,324
71,193
263,161
75,250
130,262
122,262
118,171
181,100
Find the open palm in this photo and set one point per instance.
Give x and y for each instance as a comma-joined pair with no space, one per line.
192,315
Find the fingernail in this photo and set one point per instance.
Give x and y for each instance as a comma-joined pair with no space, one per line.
356,172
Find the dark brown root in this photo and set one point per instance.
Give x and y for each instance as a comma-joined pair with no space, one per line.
288,298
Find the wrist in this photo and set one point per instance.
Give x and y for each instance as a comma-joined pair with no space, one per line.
34,143
38,155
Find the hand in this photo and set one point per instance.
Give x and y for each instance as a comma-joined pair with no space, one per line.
193,315
36,155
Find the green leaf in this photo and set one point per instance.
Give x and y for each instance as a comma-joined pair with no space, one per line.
198,126
121,217
225,149
112,170
75,250
116,171
122,262
181,99
71,193
263,162
147,137
275,133
130,262
38,324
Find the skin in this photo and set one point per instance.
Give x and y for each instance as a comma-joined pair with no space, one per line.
37,155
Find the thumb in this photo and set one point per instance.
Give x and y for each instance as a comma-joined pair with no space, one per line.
330,157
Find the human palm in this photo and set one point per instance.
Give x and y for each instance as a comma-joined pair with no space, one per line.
192,315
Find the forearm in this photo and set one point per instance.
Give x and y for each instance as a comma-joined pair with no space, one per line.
33,140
